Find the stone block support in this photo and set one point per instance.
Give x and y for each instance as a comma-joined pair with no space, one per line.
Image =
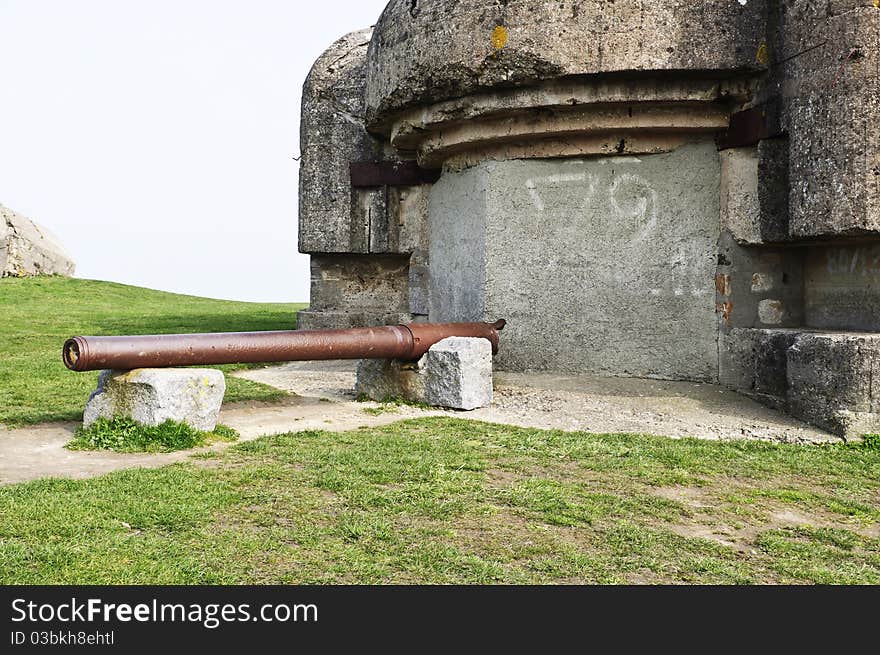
455,373
829,379
153,395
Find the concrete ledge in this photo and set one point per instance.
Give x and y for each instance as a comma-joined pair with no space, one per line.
754,361
455,373
834,382
829,379
153,395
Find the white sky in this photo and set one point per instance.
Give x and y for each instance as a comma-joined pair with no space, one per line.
156,137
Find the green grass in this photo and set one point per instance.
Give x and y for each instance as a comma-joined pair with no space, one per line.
444,500
124,435
38,314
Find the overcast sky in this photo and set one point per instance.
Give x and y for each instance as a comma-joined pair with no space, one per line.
156,137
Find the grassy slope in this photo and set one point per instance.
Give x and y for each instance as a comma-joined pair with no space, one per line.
453,501
36,315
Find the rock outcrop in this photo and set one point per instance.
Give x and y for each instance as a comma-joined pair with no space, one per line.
28,249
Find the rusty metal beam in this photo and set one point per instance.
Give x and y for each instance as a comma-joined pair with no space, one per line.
407,342
390,173
749,127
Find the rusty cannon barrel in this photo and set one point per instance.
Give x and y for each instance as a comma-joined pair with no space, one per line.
407,342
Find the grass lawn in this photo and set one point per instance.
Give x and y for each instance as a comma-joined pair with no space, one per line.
38,314
454,501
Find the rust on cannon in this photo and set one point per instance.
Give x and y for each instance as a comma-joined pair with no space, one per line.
406,342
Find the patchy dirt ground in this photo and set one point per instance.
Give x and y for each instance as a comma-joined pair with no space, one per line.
324,400
39,452
584,403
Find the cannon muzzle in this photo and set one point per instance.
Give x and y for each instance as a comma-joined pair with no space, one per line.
406,342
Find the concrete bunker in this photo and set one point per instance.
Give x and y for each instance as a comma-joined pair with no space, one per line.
678,190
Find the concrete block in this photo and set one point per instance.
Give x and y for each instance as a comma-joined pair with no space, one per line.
773,188
755,362
152,395
829,379
834,382
360,282
458,373
357,291
455,373
740,207
602,266
754,192
830,60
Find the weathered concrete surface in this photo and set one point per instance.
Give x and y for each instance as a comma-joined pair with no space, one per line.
740,206
383,228
827,56
759,287
755,362
334,217
607,265
834,382
437,49
28,249
754,192
638,127
568,117
332,134
773,190
599,265
457,220
455,373
357,291
830,379
153,395
842,287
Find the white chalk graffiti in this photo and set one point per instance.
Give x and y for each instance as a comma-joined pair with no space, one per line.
644,207
629,195
853,261
621,210
560,179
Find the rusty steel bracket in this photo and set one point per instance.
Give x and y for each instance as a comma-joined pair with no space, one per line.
366,174
749,127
